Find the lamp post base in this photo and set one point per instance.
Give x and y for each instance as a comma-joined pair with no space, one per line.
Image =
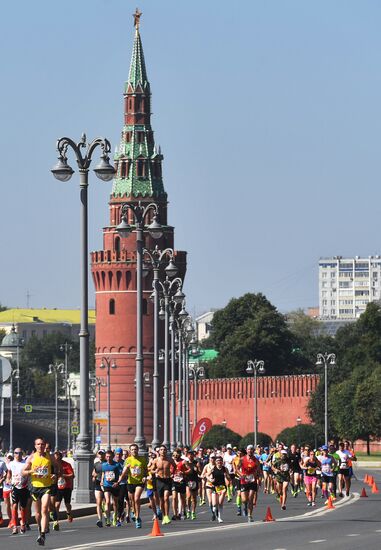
83,466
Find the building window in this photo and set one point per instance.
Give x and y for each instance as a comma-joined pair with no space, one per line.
140,137
324,274
145,307
333,274
111,307
141,168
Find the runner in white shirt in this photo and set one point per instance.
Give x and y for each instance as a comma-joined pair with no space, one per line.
20,492
228,463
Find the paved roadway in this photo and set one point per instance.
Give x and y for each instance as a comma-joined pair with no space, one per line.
354,524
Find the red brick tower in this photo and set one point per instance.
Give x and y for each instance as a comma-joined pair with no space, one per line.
138,178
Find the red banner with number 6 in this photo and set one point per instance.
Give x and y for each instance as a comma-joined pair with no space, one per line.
200,430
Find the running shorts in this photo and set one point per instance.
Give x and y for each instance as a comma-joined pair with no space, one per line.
64,495
308,480
327,479
192,484
345,472
163,484
132,486
249,486
20,496
38,492
179,487
113,490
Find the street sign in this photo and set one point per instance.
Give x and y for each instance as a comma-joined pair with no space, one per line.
74,430
28,408
5,391
5,369
99,420
100,415
98,439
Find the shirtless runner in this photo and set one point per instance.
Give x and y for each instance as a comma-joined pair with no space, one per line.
163,467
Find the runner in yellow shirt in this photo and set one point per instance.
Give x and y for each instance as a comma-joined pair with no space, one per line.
135,469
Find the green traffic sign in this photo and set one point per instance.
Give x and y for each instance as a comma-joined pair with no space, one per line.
74,430
28,408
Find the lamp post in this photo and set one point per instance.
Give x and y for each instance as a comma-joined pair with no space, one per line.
196,372
298,422
140,213
66,348
63,172
16,375
167,288
69,386
98,383
56,369
255,367
224,426
107,363
324,359
182,322
156,259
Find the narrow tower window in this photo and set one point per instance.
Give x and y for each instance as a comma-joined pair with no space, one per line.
111,307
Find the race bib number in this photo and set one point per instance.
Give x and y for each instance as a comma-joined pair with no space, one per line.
136,471
249,478
284,467
61,483
326,469
177,478
42,471
110,476
343,466
220,488
192,485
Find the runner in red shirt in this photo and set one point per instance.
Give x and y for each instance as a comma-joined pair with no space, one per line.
249,470
64,485
179,484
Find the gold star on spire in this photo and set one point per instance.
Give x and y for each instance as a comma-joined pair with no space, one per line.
137,15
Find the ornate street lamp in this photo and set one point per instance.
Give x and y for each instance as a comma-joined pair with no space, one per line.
107,363
255,367
63,172
325,359
56,369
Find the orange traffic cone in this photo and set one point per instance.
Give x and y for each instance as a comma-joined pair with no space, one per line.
156,529
363,493
330,506
366,478
375,488
269,516
370,481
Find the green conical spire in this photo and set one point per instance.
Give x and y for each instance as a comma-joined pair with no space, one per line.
137,162
138,73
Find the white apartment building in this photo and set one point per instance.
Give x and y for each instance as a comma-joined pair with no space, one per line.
347,285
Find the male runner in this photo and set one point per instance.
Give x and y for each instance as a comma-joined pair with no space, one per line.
163,467
135,467
40,467
64,488
97,477
295,470
111,471
281,468
249,470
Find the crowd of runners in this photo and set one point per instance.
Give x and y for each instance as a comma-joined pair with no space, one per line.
176,484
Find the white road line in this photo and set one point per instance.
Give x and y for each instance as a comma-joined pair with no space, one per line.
89,545
317,541
354,535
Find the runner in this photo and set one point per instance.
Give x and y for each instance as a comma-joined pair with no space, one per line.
41,470
123,494
3,474
281,469
266,470
310,464
20,492
228,463
345,464
135,469
192,483
249,470
236,479
97,477
208,484
7,489
111,471
202,460
328,464
64,488
179,485
219,477
163,468
295,470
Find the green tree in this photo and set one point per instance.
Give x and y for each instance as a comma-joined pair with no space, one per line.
305,434
220,435
262,439
3,308
247,328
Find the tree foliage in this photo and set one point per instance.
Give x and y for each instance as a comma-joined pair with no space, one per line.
305,434
3,308
262,439
220,435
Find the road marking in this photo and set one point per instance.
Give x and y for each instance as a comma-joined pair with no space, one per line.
317,541
89,545
354,535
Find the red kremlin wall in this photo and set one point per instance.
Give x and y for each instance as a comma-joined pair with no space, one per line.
281,399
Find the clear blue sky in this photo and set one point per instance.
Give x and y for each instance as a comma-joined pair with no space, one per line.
268,114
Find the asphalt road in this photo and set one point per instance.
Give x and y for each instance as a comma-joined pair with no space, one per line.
355,523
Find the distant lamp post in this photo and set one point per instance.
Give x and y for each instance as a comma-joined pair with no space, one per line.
140,214
70,385
325,359
98,383
107,363
298,422
56,369
15,374
255,367
224,422
63,172
196,372
66,348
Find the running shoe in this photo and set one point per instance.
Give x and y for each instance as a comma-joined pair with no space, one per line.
22,529
15,530
193,515
108,523
114,521
51,515
213,517
313,504
174,517
118,523
41,540
219,519
283,507
99,523
188,514
347,493
250,519
69,517
309,503
138,523
341,495
56,526
239,512
202,502
159,514
27,526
